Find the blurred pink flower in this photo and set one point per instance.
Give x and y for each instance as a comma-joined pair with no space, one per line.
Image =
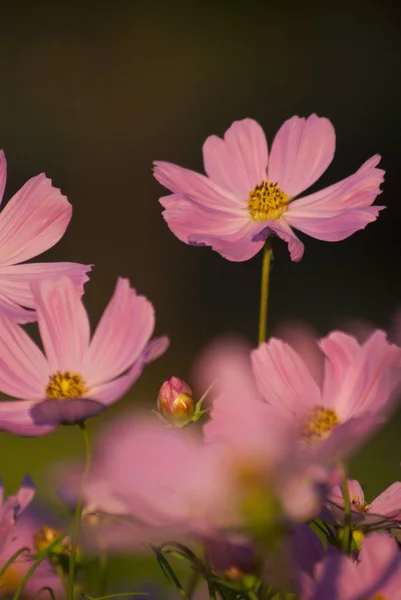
33,221
376,575
383,512
11,510
79,377
356,395
28,526
246,197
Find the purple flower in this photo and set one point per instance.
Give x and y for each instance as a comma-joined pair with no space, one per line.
79,377
247,196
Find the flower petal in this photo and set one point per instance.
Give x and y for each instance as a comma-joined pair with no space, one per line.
16,280
52,412
16,418
121,335
63,323
10,310
340,350
336,212
301,151
109,392
23,368
281,228
283,378
3,174
238,162
197,188
389,502
32,221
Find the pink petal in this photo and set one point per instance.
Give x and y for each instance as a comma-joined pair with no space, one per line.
238,162
121,335
188,220
283,378
32,221
389,502
371,378
23,368
63,324
16,280
111,391
281,228
338,211
3,174
53,412
25,494
241,245
301,151
10,310
340,351
197,188
16,418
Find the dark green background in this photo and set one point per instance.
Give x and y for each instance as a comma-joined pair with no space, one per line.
92,93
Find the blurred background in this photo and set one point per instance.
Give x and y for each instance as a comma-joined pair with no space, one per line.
93,92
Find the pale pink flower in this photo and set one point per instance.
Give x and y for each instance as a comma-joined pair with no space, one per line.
33,221
383,512
354,399
11,510
376,575
78,377
246,197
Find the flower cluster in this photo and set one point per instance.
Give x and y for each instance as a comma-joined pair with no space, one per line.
248,485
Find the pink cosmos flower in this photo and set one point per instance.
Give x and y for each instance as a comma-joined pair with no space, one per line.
33,221
246,197
27,529
376,575
356,394
12,509
383,512
79,377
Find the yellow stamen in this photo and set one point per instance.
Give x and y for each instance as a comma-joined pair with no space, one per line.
267,201
319,423
65,386
362,507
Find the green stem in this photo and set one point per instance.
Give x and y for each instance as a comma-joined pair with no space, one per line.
40,557
264,289
78,515
12,559
347,515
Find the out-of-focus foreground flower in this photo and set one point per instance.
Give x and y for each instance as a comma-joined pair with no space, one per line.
11,510
79,377
375,575
246,196
27,533
33,221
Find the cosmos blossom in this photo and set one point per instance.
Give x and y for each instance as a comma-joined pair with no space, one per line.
383,512
248,196
11,510
359,381
376,575
78,377
33,221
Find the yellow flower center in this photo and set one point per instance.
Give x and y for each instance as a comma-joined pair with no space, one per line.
319,423
65,386
267,201
46,536
362,507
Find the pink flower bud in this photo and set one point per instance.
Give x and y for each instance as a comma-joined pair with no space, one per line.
175,401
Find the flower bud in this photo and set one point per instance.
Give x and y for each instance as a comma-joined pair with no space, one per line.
175,401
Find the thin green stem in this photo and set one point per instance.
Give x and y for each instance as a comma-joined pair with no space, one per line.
40,557
78,515
12,559
264,289
347,515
